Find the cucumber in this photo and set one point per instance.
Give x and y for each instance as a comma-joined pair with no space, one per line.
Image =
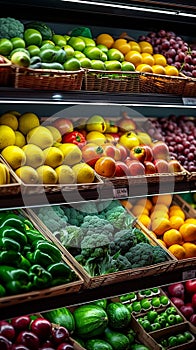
97,344
119,316
53,66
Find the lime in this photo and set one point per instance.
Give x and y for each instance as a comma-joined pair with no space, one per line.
72,64
85,62
127,66
97,64
17,42
69,51
6,46
32,37
102,48
34,50
77,43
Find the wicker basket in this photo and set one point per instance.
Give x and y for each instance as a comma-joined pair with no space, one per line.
190,88
101,80
14,187
5,72
162,84
46,79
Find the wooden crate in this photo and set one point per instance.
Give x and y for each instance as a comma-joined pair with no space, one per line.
14,187
116,277
5,72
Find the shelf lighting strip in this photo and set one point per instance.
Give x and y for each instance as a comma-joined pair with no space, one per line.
129,7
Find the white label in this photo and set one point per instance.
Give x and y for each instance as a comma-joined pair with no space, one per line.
120,192
189,101
186,275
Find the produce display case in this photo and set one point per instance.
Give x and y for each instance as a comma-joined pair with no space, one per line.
12,188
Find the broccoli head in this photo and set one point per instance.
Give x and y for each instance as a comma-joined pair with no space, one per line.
159,255
10,28
140,255
94,245
123,241
93,224
119,217
140,236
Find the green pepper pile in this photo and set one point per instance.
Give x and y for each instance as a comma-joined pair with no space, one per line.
176,339
27,260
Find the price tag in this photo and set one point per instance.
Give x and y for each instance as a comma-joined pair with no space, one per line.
186,275
189,101
120,192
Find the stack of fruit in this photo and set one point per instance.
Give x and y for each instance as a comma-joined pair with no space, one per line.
4,174
168,223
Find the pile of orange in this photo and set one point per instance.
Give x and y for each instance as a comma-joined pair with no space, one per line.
168,223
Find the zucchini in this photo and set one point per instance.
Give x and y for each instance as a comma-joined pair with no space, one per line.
97,344
119,316
53,66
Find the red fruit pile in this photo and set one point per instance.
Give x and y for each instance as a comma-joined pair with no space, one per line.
179,133
176,51
183,296
22,333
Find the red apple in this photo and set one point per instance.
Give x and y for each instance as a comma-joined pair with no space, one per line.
136,168
126,123
123,151
161,166
174,166
108,149
193,319
148,151
121,169
160,150
63,125
187,310
149,167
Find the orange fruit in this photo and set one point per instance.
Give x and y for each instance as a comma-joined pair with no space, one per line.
145,202
138,210
177,212
105,166
134,46
160,207
174,207
127,204
160,225
134,57
145,46
163,199
190,249
171,70
147,58
105,39
188,232
156,214
158,69
143,67
176,221
172,236
145,220
160,59
178,251
122,45
190,221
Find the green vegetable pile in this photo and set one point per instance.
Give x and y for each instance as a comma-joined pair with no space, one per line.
28,261
101,236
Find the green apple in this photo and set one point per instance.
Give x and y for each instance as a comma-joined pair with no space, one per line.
34,50
88,41
69,51
17,42
113,65
98,65
59,40
94,53
115,54
72,64
85,62
79,54
127,66
102,48
77,43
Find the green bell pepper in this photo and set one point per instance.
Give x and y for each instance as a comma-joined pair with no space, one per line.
155,326
152,315
127,297
179,318
7,243
14,280
161,320
40,277
146,325
24,263
61,273
14,221
171,310
171,319
172,341
33,236
28,224
11,232
136,306
10,257
48,248
40,258
181,338
2,291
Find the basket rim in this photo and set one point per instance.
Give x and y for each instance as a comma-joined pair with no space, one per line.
89,70
7,62
52,71
164,76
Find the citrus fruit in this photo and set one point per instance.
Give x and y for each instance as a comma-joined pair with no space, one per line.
172,236
46,174
174,207
32,37
34,50
176,221
27,174
171,70
65,174
27,121
160,207
105,39
134,57
40,136
122,45
17,42
10,120
4,174
83,173
143,67
7,136
20,140
190,249
162,198
147,58
145,202
76,43
145,220
158,214
190,221
34,155
72,64
139,210
105,166
57,137
6,46
158,69
72,153
53,156
134,46
14,155
159,59
127,66
177,212
145,46
188,232
178,251
160,225
96,137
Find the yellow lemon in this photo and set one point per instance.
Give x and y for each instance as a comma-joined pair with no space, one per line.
65,174
84,173
34,155
27,121
14,155
10,120
96,137
53,156
72,153
7,136
27,174
20,140
40,136
57,137
47,175
4,174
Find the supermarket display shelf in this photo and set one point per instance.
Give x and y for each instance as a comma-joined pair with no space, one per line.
87,295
